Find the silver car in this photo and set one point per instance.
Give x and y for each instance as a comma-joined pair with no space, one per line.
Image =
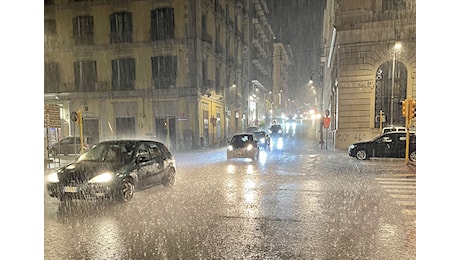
68,145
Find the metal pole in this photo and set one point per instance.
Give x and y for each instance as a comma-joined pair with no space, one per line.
321,125
408,105
392,88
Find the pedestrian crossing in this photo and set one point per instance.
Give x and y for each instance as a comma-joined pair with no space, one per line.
402,188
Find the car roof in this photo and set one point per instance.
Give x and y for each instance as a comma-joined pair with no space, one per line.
396,133
239,134
129,140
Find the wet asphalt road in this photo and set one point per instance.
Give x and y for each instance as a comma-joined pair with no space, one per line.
296,202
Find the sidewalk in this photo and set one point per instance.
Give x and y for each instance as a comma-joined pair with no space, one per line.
411,166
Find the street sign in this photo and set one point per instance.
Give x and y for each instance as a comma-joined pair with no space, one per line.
52,115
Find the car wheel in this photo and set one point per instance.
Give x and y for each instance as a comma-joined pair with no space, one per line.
169,178
127,191
361,155
53,152
412,156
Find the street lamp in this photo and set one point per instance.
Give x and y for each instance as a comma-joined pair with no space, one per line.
320,102
396,48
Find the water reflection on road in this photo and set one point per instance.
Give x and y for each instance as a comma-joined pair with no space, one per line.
296,202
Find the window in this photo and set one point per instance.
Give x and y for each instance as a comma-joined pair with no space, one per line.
164,71
162,24
121,27
384,87
83,29
50,27
123,74
388,5
85,75
52,78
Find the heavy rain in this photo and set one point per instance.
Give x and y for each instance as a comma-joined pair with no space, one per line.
324,93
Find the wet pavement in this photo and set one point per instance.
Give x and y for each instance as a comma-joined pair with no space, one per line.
296,202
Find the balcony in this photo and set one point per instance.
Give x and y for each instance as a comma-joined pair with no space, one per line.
83,40
165,93
121,37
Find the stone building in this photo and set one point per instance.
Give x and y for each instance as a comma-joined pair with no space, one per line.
179,71
369,65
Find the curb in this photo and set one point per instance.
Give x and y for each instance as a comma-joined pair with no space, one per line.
412,166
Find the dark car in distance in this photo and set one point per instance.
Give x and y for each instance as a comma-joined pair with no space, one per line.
263,138
114,170
276,130
251,129
388,145
243,146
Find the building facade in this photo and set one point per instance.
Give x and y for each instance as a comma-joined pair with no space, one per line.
369,66
179,71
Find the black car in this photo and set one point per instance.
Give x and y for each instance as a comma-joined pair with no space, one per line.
243,146
276,130
263,138
114,170
389,145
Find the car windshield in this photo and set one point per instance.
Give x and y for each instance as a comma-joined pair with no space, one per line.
241,140
109,152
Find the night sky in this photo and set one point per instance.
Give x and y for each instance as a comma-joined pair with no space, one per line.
299,23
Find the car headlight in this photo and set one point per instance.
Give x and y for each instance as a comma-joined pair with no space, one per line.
102,178
352,146
53,178
250,147
230,148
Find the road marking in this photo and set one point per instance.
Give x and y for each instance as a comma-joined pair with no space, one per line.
406,202
402,188
408,187
410,212
403,196
392,180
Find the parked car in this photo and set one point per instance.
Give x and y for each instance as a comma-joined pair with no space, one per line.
390,145
276,130
263,138
393,129
243,146
114,170
68,145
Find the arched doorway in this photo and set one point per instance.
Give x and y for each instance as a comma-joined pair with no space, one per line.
384,87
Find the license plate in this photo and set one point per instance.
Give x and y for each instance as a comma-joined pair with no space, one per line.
70,189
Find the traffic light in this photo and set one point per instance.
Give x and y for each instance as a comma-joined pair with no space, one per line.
412,109
404,108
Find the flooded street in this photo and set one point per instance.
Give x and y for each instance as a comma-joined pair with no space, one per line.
296,202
